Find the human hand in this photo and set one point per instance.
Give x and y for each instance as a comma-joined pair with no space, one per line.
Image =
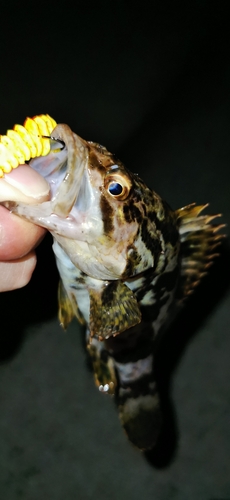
18,238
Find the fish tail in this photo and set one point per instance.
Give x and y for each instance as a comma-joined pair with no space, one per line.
138,402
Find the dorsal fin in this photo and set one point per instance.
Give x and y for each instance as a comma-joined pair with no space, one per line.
199,240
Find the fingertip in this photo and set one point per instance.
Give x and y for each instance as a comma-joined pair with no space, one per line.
17,236
17,273
24,184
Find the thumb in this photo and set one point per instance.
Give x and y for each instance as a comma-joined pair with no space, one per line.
18,237
25,185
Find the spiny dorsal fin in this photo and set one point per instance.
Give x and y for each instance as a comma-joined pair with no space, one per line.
199,240
68,308
113,309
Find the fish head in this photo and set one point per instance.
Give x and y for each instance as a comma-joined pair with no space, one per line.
104,217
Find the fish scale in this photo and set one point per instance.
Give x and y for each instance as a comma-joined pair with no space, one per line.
126,260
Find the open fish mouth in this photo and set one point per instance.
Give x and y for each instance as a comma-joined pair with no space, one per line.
63,167
73,154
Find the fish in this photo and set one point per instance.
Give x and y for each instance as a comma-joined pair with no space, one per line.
127,261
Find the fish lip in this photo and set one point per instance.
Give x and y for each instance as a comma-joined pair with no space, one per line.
67,194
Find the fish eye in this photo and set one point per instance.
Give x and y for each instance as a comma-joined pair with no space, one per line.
115,188
117,185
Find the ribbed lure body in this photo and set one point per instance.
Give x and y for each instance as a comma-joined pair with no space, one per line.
24,142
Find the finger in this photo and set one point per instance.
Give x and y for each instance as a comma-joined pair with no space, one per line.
17,273
17,236
24,184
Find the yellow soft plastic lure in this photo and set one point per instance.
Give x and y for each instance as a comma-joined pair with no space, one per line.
25,142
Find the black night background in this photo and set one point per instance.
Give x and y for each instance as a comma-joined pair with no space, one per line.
150,81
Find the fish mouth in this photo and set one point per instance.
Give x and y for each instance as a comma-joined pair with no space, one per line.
77,159
64,168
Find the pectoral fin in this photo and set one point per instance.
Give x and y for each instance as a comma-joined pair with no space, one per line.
68,307
113,309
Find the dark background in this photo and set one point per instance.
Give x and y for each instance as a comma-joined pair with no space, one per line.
151,82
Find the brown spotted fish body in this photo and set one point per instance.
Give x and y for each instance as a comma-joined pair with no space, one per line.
126,262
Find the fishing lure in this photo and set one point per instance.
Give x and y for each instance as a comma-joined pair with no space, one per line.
25,142
126,260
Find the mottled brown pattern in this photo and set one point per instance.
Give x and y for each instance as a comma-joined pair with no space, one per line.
107,215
